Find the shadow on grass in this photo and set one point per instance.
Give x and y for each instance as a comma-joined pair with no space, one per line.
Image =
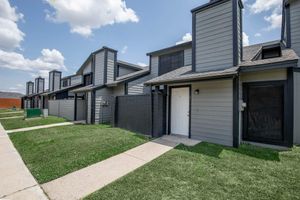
214,150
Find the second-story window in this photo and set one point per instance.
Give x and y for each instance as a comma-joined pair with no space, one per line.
65,83
170,62
88,79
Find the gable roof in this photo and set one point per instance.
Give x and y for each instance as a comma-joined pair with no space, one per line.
171,49
130,65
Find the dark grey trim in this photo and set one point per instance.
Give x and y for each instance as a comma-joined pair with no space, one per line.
241,34
93,102
115,67
208,5
93,68
236,114
105,67
171,49
194,42
235,33
278,65
150,63
60,75
170,110
75,107
288,27
152,112
289,118
283,22
126,88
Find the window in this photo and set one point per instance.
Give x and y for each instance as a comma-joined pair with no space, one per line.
88,79
65,83
171,62
271,52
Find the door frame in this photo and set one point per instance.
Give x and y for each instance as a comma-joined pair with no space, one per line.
170,103
286,137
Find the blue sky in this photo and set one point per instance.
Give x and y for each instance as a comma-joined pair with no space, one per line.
137,28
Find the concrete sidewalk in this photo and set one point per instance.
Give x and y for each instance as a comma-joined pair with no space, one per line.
81,183
15,117
40,127
16,182
11,112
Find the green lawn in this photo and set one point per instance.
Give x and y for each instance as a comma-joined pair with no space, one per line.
10,124
2,115
209,171
9,110
52,153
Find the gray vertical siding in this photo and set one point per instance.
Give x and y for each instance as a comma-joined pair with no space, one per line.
187,57
212,112
154,66
296,107
76,80
103,114
99,68
124,71
81,109
89,107
295,26
214,41
56,81
110,66
88,68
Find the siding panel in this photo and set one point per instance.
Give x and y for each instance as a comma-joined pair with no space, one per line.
295,26
187,57
99,68
110,66
211,117
103,114
221,28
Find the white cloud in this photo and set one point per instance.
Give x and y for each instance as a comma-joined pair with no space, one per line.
85,16
245,39
10,35
49,60
265,5
257,35
124,49
186,38
275,20
142,64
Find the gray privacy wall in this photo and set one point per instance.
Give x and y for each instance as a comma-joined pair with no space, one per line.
81,110
89,107
296,107
212,112
62,108
295,26
214,37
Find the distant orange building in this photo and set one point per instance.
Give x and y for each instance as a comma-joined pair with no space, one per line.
10,100
10,103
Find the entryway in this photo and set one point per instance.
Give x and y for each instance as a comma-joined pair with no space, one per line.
264,116
179,110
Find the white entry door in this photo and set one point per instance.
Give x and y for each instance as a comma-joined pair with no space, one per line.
180,106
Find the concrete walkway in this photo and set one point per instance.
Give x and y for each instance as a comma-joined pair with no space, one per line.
11,112
40,127
81,183
16,182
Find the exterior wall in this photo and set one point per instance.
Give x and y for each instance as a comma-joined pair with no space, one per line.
99,68
30,89
154,66
296,107
214,38
119,90
212,112
75,80
103,106
57,77
50,81
137,86
88,68
124,71
187,57
41,85
89,107
270,75
110,66
295,26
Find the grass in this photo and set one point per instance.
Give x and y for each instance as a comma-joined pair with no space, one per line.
11,115
52,153
9,110
11,124
209,171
